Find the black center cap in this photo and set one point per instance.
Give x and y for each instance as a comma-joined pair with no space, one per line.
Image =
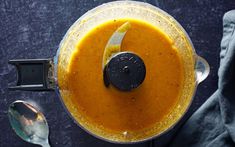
125,71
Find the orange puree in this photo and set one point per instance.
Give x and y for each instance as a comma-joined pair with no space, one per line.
97,107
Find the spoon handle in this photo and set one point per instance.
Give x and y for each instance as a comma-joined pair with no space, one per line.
45,145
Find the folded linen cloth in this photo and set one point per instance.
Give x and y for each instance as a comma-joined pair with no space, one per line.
213,124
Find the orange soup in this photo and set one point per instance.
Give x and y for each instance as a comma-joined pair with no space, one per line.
116,114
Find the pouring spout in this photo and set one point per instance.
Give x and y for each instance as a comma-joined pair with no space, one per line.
202,69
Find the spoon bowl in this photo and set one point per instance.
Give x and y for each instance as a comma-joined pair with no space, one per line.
28,123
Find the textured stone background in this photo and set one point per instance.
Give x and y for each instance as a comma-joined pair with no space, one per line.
34,29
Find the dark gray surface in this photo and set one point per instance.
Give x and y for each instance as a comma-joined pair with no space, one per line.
34,29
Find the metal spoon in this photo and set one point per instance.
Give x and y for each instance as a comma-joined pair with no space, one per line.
29,123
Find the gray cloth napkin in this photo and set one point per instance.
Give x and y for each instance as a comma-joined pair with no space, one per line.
213,124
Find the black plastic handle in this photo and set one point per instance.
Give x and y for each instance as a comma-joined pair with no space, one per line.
34,74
